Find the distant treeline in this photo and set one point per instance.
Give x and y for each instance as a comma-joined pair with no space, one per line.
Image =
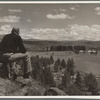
67,48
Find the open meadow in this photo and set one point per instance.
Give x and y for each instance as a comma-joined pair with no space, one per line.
83,62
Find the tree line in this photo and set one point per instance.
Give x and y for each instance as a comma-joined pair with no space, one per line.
67,48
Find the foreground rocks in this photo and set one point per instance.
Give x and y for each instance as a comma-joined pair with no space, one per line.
53,91
20,87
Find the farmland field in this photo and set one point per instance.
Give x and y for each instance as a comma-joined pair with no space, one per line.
83,62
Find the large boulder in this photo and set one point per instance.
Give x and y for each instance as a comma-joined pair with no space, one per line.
55,91
8,70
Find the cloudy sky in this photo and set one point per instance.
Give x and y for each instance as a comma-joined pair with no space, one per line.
52,21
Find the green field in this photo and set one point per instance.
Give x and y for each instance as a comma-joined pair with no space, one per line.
84,62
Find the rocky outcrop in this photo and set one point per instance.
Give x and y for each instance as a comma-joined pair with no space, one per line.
53,91
3,70
10,69
20,87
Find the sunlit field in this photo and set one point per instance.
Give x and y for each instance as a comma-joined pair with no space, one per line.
84,62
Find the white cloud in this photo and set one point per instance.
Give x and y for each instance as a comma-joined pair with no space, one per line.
5,29
56,16
86,32
59,16
72,32
62,10
97,10
45,34
10,19
74,7
14,10
97,13
29,20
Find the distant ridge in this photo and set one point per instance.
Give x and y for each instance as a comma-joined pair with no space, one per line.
60,40
48,43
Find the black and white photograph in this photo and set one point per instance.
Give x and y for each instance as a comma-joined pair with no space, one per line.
50,49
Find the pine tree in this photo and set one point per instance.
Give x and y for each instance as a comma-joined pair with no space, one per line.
37,57
52,60
58,62
91,83
49,80
71,66
45,63
38,71
57,65
48,61
78,81
66,78
63,64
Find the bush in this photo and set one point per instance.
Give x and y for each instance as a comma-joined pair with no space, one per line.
71,89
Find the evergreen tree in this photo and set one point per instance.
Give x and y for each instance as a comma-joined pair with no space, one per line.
45,63
37,57
41,60
58,62
52,60
91,83
78,81
63,64
71,66
38,71
57,65
66,78
73,90
48,61
49,80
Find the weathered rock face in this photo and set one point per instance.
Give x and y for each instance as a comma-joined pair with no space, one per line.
8,70
55,91
3,70
20,87
16,68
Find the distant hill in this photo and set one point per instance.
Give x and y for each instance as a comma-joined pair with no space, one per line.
42,44
35,44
